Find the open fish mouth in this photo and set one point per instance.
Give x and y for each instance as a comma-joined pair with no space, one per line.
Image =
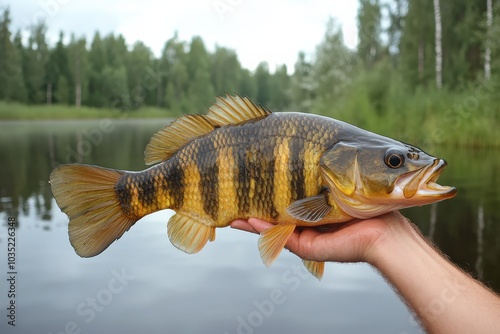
422,183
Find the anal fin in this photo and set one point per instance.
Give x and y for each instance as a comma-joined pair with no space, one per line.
315,268
273,240
188,234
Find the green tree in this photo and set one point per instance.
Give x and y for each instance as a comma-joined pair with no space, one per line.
17,81
57,70
139,60
493,34
97,53
114,88
79,70
280,82
97,58
302,85
115,50
369,32
11,82
61,94
463,41
108,76
200,92
197,57
335,65
263,82
417,43
173,90
396,11
226,71
248,86
35,58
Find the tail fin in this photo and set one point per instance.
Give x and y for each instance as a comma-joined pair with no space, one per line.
86,195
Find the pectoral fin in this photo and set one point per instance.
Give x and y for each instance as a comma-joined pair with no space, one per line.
315,268
272,241
187,234
310,209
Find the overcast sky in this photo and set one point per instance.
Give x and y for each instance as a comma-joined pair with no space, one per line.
258,30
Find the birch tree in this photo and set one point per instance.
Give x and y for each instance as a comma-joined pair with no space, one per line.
487,54
438,45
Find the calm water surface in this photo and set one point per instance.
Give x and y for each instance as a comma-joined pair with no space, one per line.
143,284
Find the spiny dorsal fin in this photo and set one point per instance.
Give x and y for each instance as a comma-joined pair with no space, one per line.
168,140
229,110
235,110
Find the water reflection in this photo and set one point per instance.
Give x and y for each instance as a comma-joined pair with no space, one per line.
29,151
466,228
480,242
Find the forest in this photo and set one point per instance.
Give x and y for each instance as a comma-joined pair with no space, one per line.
422,70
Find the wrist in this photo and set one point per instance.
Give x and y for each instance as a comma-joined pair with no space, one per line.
390,243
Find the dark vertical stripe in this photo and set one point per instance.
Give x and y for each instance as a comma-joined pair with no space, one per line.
254,163
124,192
262,168
296,165
242,180
265,185
173,182
209,176
145,182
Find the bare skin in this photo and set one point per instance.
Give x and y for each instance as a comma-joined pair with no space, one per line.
444,298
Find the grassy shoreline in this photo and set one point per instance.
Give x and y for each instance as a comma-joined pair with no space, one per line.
431,123
21,112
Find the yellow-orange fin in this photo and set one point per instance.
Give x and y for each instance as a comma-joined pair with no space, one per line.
235,110
229,110
187,234
273,240
310,209
86,195
315,268
168,140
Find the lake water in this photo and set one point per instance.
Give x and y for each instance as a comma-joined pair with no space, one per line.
143,284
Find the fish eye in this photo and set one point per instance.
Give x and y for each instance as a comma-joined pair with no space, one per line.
394,158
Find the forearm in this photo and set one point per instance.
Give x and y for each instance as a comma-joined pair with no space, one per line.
444,298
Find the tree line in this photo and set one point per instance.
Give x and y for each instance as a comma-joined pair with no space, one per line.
403,46
106,73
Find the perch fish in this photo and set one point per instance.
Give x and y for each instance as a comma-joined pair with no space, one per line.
241,160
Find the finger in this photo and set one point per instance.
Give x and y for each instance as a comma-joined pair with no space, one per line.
300,242
259,225
241,224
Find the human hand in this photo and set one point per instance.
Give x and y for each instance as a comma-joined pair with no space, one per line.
353,241
416,270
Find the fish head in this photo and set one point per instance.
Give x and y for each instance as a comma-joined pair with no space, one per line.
373,178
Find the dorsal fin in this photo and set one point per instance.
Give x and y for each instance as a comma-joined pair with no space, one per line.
168,140
235,110
227,110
